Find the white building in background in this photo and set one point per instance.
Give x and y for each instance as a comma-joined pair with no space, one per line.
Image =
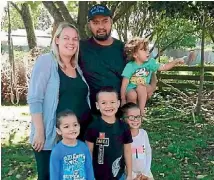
19,38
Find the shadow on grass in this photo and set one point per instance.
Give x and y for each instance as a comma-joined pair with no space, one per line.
17,160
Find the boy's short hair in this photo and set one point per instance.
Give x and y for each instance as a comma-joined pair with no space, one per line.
133,45
109,89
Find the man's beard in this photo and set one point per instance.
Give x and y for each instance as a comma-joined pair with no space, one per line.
102,37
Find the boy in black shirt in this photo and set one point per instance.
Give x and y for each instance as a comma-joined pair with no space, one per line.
109,139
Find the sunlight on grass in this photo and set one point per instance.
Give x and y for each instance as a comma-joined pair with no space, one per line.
180,148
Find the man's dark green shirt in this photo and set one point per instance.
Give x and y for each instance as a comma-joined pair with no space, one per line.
102,65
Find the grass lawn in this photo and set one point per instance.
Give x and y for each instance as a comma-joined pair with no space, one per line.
181,149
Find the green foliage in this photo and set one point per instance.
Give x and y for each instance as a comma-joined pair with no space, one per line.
180,148
16,21
34,5
169,32
72,6
41,18
179,31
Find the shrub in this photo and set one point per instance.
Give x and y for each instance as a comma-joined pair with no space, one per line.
14,80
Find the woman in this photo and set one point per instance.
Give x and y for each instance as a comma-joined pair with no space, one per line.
56,84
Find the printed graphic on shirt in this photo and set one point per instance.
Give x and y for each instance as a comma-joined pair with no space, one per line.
73,167
138,152
101,142
116,166
139,76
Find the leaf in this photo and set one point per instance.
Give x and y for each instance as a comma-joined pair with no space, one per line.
201,176
18,176
162,174
10,173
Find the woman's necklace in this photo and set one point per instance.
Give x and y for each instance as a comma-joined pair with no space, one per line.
70,73
73,66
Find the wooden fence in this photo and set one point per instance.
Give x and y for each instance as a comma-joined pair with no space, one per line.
177,77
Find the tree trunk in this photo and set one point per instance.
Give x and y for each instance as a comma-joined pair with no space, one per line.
11,58
65,13
28,23
82,18
198,104
54,12
60,14
125,6
25,13
211,36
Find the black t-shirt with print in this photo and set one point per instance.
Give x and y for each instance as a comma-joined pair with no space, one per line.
108,153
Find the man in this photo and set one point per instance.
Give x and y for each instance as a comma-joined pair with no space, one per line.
102,57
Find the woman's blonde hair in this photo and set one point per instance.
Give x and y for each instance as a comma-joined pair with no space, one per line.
54,46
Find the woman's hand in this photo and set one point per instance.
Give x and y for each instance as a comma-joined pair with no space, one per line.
38,141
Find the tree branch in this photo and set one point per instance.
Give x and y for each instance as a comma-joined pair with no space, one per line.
114,7
82,18
125,7
168,45
52,9
211,36
65,13
104,3
153,46
16,7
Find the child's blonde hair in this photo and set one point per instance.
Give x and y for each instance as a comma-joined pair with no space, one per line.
134,45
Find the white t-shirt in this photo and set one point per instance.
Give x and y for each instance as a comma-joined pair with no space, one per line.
141,154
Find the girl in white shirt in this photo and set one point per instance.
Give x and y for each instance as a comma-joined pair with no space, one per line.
141,150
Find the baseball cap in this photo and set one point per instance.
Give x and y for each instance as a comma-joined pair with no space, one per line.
98,9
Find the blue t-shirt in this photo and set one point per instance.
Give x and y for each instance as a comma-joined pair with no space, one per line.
71,162
139,74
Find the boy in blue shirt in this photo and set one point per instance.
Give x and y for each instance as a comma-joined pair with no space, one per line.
70,158
137,73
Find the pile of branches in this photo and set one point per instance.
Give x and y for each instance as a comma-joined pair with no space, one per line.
185,102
